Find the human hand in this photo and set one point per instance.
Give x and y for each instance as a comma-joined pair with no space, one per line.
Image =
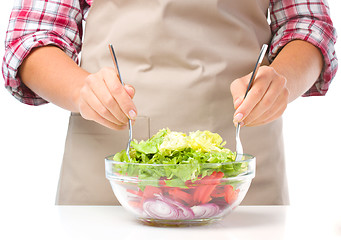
266,100
103,99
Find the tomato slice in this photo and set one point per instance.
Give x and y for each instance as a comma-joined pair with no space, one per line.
180,195
230,194
219,191
150,191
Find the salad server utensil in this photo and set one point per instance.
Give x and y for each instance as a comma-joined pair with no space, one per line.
239,146
112,51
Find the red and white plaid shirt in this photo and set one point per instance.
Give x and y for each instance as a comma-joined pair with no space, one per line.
36,23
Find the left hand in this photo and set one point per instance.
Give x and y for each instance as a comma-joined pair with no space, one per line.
266,100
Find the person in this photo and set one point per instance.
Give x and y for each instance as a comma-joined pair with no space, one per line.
186,66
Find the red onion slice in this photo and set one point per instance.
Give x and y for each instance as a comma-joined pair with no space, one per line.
184,211
164,208
159,209
205,210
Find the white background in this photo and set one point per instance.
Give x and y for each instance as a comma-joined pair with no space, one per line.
32,143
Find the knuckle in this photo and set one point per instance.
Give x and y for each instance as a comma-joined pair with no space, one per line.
272,70
282,81
103,111
116,89
258,91
267,102
108,101
271,112
90,80
126,106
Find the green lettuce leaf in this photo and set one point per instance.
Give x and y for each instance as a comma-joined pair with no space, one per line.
184,158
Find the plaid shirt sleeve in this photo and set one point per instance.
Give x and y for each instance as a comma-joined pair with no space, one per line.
307,20
35,23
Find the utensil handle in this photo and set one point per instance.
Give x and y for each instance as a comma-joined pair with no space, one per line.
255,70
112,51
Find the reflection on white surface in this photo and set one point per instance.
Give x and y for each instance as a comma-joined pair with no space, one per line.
269,222
113,222
100,222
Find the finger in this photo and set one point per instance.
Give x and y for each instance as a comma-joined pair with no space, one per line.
111,110
91,99
238,88
274,112
254,96
90,114
268,100
130,90
118,91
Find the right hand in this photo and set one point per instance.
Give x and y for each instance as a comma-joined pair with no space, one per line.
103,99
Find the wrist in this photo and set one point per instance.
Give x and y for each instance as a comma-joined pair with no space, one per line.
76,90
300,63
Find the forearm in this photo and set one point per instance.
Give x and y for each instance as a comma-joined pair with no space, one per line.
301,64
54,76
99,97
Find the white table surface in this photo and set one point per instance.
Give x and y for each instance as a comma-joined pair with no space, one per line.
113,222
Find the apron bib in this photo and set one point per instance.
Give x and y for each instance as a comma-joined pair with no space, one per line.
181,57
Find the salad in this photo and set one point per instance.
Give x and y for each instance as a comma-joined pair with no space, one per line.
180,176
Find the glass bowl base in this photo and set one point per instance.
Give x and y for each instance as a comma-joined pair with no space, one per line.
177,223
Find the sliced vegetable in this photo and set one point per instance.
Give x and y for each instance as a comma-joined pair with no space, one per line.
165,208
230,194
180,195
202,193
206,210
159,209
219,191
150,191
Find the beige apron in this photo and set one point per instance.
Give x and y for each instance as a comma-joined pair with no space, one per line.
181,56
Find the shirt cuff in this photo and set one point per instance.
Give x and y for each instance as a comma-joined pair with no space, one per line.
17,51
321,36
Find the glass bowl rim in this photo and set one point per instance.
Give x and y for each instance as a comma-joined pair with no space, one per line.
250,158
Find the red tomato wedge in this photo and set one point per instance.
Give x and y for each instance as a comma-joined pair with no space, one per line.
230,194
150,191
180,195
219,191
202,193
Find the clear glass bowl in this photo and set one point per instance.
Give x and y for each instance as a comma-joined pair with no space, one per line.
161,201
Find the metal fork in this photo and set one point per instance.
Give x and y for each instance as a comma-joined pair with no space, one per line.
112,51
239,147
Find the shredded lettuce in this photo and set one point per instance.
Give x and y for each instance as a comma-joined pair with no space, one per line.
184,157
